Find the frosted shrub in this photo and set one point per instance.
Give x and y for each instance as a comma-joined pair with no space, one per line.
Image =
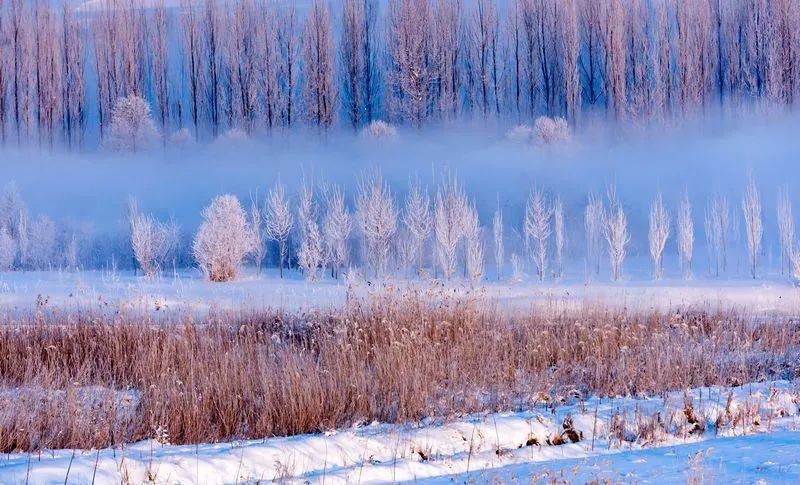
545,131
379,130
550,131
8,250
223,239
132,127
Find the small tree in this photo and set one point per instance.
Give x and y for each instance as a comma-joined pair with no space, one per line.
449,208
537,229
310,253
593,224
418,221
279,221
132,126
658,235
560,236
377,218
223,240
615,229
151,242
685,234
8,250
499,247
338,225
751,210
474,244
785,227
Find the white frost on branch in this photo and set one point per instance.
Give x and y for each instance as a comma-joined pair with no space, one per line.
223,240
658,234
132,126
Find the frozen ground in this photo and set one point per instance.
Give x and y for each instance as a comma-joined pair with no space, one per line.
187,291
743,434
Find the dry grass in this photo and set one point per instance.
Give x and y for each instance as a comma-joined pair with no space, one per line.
86,380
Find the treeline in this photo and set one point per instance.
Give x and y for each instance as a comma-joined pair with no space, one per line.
375,233
256,65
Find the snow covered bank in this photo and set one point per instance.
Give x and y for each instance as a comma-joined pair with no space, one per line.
188,291
621,438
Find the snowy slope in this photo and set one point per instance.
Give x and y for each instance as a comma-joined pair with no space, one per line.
745,434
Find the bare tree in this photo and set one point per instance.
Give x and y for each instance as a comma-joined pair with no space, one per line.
786,231
474,244
658,235
223,239
151,242
593,224
338,225
410,71
499,247
559,231
258,232
537,229
43,239
356,57
418,221
8,250
685,228
279,221
751,211
615,230
377,218
450,206
310,253
319,87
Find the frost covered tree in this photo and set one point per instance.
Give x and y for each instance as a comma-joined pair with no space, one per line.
593,226
717,226
279,221
615,230
223,239
43,241
258,232
450,206
132,126
751,212
560,236
499,247
537,230
685,234
338,225
377,219
786,232
474,244
310,253
8,250
319,86
417,221
658,234
151,241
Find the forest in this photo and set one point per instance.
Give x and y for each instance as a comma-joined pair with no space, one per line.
203,68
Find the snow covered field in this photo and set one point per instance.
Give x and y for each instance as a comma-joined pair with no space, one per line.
186,290
744,434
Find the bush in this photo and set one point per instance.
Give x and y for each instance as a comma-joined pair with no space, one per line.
379,130
545,131
223,240
549,131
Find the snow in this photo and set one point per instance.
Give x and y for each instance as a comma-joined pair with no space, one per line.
501,446
186,290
